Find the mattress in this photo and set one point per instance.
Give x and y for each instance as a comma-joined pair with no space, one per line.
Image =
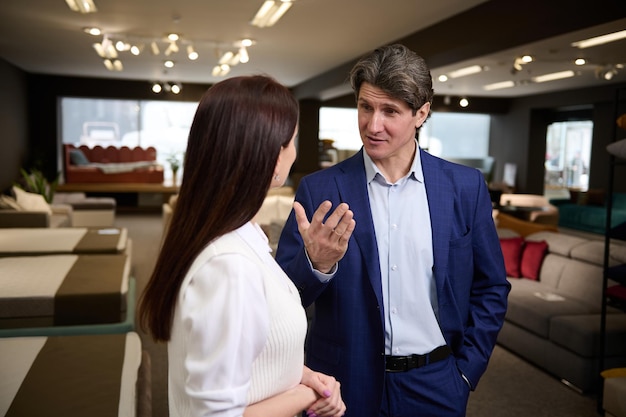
62,290
87,375
77,240
126,325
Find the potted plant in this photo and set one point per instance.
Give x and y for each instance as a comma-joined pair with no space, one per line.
36,182
175,163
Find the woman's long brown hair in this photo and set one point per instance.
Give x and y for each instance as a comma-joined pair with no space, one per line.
236,136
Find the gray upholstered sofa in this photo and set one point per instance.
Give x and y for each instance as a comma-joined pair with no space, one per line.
554,322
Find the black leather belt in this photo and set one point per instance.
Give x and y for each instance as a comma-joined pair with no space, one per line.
404,363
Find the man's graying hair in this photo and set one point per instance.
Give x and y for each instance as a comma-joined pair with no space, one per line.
399,72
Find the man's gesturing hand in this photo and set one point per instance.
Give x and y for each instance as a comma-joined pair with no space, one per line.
326,243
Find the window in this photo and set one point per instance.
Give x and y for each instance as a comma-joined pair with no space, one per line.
568,152
162,124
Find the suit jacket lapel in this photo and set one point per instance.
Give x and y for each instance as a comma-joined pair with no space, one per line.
352,187
440,193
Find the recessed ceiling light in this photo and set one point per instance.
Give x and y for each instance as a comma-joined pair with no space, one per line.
580,61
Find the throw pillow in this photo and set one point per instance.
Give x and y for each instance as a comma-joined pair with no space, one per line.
31,201
9,203
77,157
512,253
532,258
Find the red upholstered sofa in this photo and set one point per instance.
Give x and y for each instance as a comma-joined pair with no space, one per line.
105,165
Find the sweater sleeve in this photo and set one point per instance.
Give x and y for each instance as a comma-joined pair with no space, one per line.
225,319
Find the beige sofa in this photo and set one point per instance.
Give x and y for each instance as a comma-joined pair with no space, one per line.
554,322
271,217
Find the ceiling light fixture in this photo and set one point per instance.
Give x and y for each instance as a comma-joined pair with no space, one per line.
220,70
553,76
580,61
112,44
499,85
607,72
191,53
105,49
168,64
464,102
157,88
600,40
136,49
154,47
113,64
93,31
270,12
474,69
443,78
82,6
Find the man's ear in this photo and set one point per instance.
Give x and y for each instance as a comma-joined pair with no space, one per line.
422,115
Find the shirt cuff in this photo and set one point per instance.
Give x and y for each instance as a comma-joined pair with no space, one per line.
321,276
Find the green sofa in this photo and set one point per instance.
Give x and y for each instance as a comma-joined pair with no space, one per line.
589,214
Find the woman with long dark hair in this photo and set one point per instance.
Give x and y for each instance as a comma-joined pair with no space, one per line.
233,320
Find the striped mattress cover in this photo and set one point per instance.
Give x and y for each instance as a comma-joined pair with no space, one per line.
62,290
93,375
77,240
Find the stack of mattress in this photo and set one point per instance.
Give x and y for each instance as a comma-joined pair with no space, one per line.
67,311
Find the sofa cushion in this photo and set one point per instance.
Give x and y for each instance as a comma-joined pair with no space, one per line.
532,306
77,157
7,202
512,253
558,243
532,258
31,201
581,334
582,281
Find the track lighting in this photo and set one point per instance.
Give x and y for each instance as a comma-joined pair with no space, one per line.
220,70
606,72
170,87
114,44
154,47
113,64
191,53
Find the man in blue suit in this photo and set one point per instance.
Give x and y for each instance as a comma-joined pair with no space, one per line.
406,272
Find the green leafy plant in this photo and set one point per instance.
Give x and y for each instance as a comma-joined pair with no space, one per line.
36,182
175,161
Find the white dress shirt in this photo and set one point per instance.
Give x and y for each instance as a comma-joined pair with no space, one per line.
404,237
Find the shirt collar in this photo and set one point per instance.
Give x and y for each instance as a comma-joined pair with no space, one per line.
416,172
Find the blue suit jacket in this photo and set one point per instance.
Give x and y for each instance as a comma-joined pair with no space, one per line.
346,337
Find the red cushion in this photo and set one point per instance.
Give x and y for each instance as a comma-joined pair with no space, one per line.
512,252
532,258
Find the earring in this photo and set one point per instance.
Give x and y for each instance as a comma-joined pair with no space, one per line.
276,177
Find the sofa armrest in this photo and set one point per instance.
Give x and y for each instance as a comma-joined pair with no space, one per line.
14,218
559,201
